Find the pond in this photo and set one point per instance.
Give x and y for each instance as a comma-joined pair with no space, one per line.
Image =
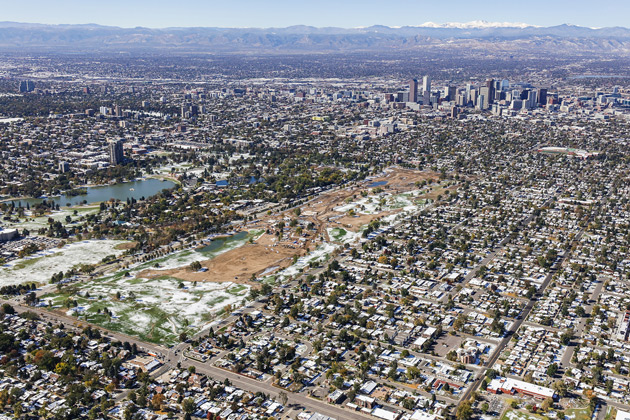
221,241
133,189
377,184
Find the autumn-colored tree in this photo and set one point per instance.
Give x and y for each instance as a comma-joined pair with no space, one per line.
157,401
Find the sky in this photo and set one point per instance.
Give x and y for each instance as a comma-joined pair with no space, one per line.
341,13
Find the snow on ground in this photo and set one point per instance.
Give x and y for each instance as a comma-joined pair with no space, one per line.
35,223
177,167
41,266
237,156
187,256
173,260
342,235
322,251
269,270
517,415
153,309
158,309
367,205
374,204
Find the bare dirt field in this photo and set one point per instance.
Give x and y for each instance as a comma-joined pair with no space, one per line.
404,180
396,181
126,245
237,265
271,251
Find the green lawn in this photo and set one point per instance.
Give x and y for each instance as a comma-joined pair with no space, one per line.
28,263
236,289
337,234
157,311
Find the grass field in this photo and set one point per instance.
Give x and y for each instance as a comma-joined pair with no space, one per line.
40,267
161,308
337,234
156,310
35,223
186,257
611,413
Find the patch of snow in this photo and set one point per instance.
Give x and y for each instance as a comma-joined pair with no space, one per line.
477,24
54,260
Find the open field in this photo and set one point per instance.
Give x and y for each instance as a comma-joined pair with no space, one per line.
156,310
41,266
346,210
578,414
354,207
153,304
162,297
34,223
234,261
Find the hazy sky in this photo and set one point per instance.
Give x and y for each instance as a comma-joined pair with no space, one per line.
343,13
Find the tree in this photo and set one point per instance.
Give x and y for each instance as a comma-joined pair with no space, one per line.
157,401
45,359
552,370
464,411
183,336
459,322
579,311
561,388
62,368
188,406
7,309
413,373
195,266
18,410
282,396
266,289
565,338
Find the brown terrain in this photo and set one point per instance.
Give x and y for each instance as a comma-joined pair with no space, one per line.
252,259
237,265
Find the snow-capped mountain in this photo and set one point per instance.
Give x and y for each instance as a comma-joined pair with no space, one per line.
476,24
476,36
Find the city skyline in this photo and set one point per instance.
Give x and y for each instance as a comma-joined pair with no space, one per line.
348,14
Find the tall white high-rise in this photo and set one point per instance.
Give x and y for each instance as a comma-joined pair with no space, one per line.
426,84
469,89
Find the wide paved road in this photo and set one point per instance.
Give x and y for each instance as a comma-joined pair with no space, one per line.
171,359
253,385
517,324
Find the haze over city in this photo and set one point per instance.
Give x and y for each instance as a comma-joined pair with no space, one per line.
345,14
365,210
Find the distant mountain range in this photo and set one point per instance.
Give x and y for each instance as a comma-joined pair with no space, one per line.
477,35
476,24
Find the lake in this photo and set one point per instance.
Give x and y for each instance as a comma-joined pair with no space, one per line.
133,189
